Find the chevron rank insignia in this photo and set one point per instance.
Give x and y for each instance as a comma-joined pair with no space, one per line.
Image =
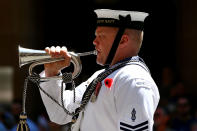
139,127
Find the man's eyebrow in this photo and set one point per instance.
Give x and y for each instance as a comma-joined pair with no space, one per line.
98,32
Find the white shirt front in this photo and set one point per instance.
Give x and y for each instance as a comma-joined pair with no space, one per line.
127,105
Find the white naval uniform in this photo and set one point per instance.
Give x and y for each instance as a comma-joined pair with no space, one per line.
128,105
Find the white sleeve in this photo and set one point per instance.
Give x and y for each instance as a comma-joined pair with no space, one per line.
55,112
135,103
53,87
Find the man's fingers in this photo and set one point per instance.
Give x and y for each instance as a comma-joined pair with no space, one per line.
64,48
52,51
64,52
47,50
57,50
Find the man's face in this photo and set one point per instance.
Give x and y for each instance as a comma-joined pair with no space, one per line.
103,42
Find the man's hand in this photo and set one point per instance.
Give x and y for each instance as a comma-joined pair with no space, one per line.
52,69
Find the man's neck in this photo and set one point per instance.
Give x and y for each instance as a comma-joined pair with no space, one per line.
121,60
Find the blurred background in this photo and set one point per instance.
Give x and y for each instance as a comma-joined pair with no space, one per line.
169,50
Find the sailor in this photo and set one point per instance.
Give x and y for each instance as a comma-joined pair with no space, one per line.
122,97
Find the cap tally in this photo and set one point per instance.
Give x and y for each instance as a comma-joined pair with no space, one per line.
119,18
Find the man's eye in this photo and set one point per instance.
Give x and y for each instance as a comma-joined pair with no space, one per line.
101,36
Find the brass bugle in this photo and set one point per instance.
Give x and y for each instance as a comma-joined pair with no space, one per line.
39,57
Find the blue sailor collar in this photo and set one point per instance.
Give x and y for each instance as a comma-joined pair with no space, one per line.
129,60
133,58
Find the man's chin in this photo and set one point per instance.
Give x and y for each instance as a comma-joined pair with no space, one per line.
99,63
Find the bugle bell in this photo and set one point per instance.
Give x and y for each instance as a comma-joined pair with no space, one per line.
39,57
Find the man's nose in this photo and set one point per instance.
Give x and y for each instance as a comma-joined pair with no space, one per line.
95,42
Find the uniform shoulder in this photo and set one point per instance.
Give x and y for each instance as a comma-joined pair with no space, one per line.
133,70
134,77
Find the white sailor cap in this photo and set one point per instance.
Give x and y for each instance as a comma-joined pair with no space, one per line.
120,18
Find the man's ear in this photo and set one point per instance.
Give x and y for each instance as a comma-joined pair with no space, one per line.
124,40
